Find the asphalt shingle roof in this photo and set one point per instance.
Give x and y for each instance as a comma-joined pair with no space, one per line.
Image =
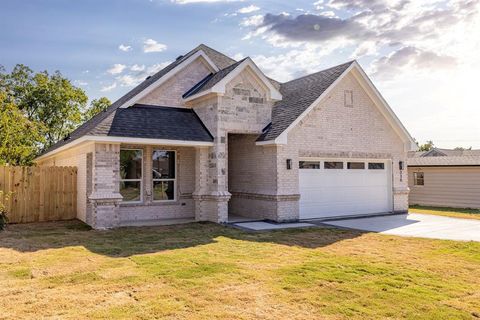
211,80
298,95
444,157
100,122
138,120
156,122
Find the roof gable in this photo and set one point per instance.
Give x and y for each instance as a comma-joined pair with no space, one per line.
220,60
216,83
303,94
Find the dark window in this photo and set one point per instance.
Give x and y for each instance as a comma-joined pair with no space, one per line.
376,165
309,164
355,165
163,175
418,179
333,165
131,175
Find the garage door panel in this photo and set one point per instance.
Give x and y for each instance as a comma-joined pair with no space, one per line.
337,192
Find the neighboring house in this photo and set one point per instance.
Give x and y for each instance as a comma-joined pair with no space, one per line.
445,178
209,138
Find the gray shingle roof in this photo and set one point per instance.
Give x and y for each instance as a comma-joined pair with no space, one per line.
156,122
211,80
298,95
439,152
97,123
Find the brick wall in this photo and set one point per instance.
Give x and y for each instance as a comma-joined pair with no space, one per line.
170,93
337,131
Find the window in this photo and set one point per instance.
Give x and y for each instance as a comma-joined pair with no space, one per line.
309,164
131,175
333,165
355,165
163,175
376,165
418,179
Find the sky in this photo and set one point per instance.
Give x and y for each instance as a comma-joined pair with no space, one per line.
423,56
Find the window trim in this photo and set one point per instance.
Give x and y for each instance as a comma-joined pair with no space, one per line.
377,162
168,179
135,180
415,179
334,161
363,162
319,164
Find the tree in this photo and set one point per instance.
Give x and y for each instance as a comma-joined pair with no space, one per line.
19,137
429,145
462,148
96,106
48,99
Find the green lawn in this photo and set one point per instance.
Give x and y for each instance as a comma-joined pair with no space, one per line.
447,212
206,271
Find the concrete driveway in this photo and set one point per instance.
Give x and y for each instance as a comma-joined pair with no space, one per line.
416,225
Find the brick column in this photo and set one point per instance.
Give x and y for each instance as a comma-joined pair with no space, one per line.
105,197
211,195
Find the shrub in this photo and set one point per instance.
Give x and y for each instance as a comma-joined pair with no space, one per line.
3,210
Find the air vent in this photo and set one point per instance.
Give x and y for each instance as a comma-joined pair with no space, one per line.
178,58
148,77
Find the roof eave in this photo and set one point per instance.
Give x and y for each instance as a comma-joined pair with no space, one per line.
130,140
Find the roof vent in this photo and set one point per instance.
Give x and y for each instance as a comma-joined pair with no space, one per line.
148,77
178,58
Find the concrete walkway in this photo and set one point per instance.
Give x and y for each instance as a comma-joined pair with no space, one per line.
416,225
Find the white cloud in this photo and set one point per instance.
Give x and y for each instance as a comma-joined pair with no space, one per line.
201,1
252,21
109,88
124,47
151,45
249,9
137,67
116,68
140,73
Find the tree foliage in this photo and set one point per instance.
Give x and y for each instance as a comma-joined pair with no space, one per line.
19,137
48,99
96,106
429,145
37,110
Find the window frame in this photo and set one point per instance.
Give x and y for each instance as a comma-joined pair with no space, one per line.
384,166
135,180
415,179
356,162
165,179
333,161
311,161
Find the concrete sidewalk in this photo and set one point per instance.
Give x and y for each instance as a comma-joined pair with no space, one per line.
416,225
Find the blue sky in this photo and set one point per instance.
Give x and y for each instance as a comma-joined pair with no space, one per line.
422,55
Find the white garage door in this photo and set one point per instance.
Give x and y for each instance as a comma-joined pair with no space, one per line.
331,188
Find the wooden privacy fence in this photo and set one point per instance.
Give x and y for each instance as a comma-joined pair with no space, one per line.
39,193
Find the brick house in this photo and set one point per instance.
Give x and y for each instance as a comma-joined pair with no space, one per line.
212,139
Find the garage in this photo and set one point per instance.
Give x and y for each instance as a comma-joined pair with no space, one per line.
336,188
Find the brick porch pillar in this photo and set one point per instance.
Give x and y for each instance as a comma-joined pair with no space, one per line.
211,195
105,198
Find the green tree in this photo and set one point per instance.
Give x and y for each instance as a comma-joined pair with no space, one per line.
19,137
96,106
429,145
48,99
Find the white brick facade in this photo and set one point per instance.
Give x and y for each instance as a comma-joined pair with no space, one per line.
235,175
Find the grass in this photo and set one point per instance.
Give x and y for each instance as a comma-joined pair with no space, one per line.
448,212
206,271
